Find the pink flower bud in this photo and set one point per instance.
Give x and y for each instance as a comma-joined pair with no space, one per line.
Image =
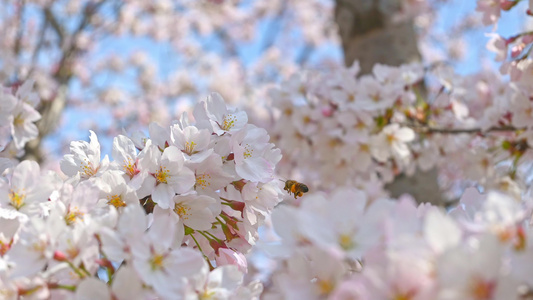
527,39
516,50
229,257
507,5
217,246
60,256
327,111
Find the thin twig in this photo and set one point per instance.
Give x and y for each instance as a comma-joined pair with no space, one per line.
271,32
20,27
427,129
38,48
51,18
51,110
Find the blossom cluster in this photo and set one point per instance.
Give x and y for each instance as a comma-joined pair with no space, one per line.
168,216
202,38
17,118
350,133
513,51
337,129
343,245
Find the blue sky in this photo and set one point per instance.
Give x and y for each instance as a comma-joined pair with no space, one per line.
510,23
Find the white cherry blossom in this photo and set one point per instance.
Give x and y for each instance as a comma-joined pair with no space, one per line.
213,114
167,175
84,159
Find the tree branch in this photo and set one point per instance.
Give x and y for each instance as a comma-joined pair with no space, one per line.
51,18
52,110
20,28
427,129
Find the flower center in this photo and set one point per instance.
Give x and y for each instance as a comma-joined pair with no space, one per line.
16,199
346,242
248,151
162,175
325,286
206,295
360,125
18,120
189,147
72,216
391,139
130,168
202,181
87,169
72,251
39,247
4,247
364,148
182,210
116,201
482,289
403,296
157,262
521,239
229,122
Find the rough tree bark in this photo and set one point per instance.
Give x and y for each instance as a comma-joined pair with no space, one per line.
369,36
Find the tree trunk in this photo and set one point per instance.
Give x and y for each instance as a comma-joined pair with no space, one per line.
370,36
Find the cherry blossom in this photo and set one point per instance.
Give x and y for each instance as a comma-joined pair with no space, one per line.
85,160
214,115
151,218
168,175
180,211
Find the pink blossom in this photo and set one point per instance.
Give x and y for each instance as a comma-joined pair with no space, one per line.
229,257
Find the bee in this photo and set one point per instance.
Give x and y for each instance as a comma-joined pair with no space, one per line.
295,187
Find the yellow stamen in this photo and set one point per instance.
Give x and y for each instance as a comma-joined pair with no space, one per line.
157,262
162,175
248,151
16,199
4,247
130,168
481,289
346,242
229,122
72,251
403,296
360,125
73,216
202,181
207,295
18,120
391,138
189,147
182,210
87,169
288,111
116,201
39,247
325,286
